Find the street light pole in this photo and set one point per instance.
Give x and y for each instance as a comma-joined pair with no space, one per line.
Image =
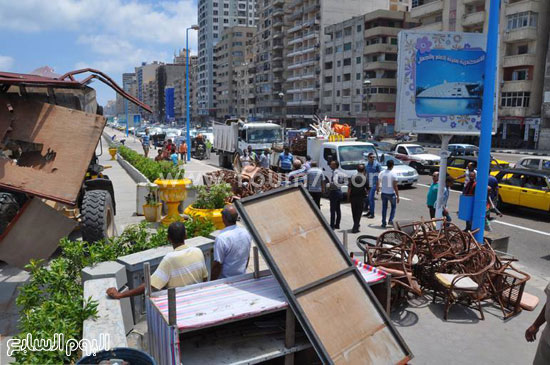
188,118
367,83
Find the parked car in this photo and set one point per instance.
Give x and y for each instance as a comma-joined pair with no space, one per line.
406,175
456,166
458,149
525,188
534,162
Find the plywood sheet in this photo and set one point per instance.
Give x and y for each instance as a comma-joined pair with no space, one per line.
337,310
24,240
60,143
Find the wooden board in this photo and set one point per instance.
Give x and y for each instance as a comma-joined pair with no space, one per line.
333,303
70,135
22,243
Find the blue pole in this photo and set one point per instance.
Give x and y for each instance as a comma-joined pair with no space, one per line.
126,110
484,158
188,123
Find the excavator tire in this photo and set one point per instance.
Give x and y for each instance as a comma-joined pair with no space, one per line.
97,214
8,210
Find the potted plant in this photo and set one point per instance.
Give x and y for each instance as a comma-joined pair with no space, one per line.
152,207
210,202
113,149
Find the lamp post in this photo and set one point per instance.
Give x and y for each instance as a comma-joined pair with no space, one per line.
366,85
188,118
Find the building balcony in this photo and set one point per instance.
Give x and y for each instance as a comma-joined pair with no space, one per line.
301,51
476,18
301,102
472,2
428,8
381,65
301,64
509,111
521,6
519,60
519,85
381,31
277,46
437,26
380,48
383,82
277,12
382,98
294,28
520,34
278,2
301,90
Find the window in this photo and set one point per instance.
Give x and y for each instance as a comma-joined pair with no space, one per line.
347,31
458,162
522,20
359,28
347,77
328,79
338,49
328,65
338,78
515,99
402,150
347,46
391,57
520,75
337,92
328,50
345,107
329,153
338,63
347,61
514,180
346,92
358,60
394,41
358,76
523,49
357,91
327,93
531,162
338,34
357,108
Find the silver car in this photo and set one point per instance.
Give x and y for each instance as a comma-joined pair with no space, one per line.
406,175
534,162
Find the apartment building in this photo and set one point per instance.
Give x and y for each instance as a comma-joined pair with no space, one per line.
360,69
214,17
523,30
269,76
229,54
544,135
244,75
180,87
129,84
304,45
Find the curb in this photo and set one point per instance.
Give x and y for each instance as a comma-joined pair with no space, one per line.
134,173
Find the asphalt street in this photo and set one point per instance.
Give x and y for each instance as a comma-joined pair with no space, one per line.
529,230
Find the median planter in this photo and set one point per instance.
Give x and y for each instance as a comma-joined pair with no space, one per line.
172,192
215,215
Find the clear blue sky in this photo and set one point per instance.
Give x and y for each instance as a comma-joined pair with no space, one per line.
434,72
110,35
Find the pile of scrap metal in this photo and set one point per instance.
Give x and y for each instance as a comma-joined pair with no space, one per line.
252,180
299,145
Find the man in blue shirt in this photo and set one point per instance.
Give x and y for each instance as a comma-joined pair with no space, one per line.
373,168
285,161
146,142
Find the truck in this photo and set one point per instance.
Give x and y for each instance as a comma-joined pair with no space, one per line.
416,157
235,135
50,130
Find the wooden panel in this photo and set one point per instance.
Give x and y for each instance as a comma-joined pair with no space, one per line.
296,237
343,316
69,135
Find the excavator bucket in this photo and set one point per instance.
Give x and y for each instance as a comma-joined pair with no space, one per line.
45,149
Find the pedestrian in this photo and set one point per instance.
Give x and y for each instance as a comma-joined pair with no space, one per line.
470,190
253,155
146,142
542,356
432,194
315,183
265,158
336,181
208,148
493,196
373,168
245,158
174,156
298,173
183,151
449,181
232,247
357,191
307,165
159,156
390,192
466,175
183,266
285,160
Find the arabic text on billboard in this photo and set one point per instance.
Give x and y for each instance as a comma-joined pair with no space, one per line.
440,82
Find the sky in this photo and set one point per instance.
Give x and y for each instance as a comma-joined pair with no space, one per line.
112,36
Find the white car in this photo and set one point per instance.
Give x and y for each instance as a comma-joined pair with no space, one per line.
534,162
406,175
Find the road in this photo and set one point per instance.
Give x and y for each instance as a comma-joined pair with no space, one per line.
529,230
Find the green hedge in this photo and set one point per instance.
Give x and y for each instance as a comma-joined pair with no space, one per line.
52,301
151,169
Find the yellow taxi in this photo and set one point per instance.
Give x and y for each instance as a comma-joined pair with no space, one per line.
456,166
524,188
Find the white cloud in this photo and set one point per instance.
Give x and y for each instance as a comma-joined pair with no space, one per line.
6,63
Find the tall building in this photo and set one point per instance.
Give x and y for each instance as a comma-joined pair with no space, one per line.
180,87
166,76
244,74
523,33
228,55
304,45
360,67
129,84
544,136
214,17
144,75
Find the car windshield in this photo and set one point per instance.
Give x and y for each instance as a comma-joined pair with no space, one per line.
384,158
264,135
416,150
351,156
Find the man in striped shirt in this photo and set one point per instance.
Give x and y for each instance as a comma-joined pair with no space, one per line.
184,266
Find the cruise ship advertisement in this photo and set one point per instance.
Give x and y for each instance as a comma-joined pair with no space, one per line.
440,82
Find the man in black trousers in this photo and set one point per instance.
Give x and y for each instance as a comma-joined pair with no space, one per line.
357,191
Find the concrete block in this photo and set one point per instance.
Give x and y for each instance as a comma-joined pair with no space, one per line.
142,189
106,269
110,320
498,242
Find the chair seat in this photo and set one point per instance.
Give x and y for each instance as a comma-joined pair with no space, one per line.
465,283
529,301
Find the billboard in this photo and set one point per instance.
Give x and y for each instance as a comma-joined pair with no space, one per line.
440,80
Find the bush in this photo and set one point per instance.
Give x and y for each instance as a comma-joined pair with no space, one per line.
151,169
214,197
52,301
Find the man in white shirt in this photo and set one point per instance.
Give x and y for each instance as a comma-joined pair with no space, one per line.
232,247
390,192
264,159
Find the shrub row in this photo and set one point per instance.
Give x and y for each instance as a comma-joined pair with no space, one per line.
151,169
